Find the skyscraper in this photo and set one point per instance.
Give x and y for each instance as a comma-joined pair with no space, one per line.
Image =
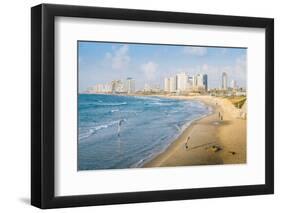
173,84
189,84
205,81
167,84
194,82
199,81
118,86
224,81
181,81
130,84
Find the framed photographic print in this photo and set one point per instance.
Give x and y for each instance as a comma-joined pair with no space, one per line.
140,106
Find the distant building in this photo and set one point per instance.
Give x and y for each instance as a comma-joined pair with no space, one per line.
130,85
205,81
100,88
167,85
224,81
173,84
189,83
115,86
181,81
146,88
151,88
118,86
199,81
156,88
194,82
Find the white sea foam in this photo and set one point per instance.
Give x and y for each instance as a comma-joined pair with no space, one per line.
112,104
95,129
161,103
148,98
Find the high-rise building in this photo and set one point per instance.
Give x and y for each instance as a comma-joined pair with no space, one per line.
173,84
189,83
224,81
199,81
181,81
151,87
194,82
167,84
118,86
100,88
130,84
205,81
115,86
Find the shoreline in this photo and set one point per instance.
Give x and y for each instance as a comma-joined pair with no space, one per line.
212,141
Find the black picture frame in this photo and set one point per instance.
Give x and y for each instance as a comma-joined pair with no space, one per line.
43,105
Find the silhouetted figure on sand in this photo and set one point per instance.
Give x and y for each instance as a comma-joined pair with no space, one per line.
186,146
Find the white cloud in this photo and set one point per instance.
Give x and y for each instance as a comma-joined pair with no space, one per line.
197,51
119,58
150,70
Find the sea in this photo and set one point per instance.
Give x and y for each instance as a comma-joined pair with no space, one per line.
118,132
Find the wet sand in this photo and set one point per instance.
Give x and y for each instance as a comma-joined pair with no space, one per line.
212,139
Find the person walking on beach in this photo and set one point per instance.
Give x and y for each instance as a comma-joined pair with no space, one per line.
186,146
219,114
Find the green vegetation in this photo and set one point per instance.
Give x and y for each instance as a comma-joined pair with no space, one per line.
237,101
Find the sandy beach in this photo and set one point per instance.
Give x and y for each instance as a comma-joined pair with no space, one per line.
219,138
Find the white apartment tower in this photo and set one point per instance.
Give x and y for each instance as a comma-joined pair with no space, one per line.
194,82
173,84
189,84
181,81
167,84
130,85
199,81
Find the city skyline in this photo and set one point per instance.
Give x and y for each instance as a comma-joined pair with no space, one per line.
101,62
180,83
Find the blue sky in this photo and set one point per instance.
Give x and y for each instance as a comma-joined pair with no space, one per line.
102,62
